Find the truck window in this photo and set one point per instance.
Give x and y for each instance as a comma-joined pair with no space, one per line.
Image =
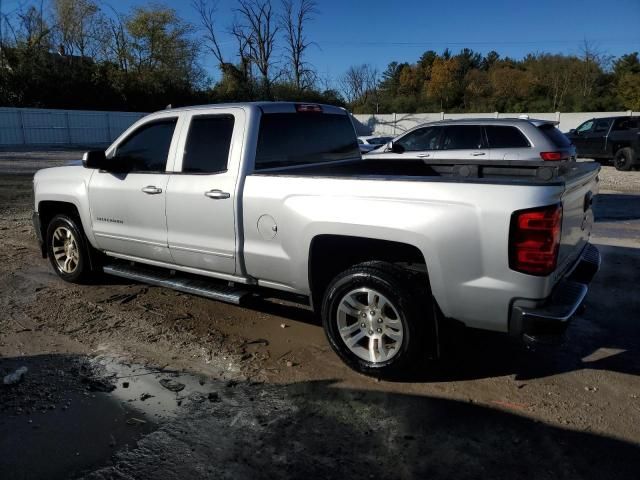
208,144
554,135
288,139
505,137
379,140
462,137
147,148
585,127
621,124
427,138
601,126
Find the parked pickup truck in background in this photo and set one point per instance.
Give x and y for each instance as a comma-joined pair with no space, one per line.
231,200
613,138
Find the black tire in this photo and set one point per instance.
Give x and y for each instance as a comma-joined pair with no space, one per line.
80,273
409,295
624,159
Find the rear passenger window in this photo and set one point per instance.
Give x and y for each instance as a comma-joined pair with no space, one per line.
625,124
462,137
505,137
601,126
208,144
147,148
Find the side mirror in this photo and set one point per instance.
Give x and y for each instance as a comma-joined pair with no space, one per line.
397,148
94,159
573,131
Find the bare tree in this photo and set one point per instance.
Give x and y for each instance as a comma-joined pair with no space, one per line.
359,83
256,33
593,62
34,31
206,10
244,52
118,42
293,20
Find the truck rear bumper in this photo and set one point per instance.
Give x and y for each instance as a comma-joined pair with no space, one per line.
539,319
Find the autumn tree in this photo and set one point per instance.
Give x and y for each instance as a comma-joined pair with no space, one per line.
78,23
160,43
443,84
509,86
627,72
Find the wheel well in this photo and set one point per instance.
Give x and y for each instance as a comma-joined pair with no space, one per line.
619,145
49,209
331,254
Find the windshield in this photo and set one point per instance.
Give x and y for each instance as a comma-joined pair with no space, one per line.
288,139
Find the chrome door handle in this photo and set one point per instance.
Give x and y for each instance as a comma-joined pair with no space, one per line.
152,190
477,154
423,155
217,194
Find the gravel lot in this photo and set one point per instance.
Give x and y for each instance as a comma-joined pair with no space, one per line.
131,381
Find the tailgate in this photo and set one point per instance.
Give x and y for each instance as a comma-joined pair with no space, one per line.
577,218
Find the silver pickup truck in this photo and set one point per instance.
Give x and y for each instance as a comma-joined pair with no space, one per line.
229,201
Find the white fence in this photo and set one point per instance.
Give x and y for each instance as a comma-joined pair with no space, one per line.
397,123
36,126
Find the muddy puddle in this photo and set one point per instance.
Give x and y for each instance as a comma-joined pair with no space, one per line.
71,414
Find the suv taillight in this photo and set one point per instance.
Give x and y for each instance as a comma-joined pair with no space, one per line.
534,240
554,156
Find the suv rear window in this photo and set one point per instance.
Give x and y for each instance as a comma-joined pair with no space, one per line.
505,137
288,139
554,135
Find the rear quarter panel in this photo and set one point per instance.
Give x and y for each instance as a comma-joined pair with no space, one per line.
462,229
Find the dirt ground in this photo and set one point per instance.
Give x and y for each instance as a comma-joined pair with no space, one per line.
131,381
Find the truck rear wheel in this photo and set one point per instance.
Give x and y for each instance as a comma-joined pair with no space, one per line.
376,316
624,159
67,250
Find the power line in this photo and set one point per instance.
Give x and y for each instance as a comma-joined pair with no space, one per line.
489,42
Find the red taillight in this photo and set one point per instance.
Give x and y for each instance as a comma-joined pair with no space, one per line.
534,240
554,156
308,108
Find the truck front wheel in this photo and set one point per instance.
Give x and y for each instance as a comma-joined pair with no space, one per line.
376,316
624,159
66,249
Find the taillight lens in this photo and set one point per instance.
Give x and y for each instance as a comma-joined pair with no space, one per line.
554,156
534,240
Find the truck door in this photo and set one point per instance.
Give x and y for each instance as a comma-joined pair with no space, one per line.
201,195
596,139
580,135
128,209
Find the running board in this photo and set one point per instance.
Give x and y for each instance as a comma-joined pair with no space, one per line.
183,283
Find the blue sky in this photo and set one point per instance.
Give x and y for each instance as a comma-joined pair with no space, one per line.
378,32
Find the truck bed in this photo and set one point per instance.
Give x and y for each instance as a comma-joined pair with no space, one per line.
450,171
